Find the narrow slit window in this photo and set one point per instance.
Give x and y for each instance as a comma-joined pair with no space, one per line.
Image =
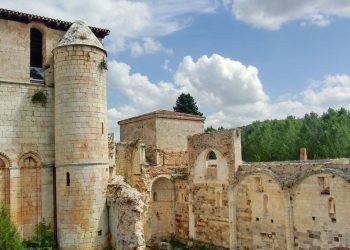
155,198
331,206
324,184
67,179
102,127
259,184
265,203
36,55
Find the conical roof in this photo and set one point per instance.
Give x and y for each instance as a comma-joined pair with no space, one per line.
80,34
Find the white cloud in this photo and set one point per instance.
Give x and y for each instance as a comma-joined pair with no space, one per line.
139,90
166,66
148,46
272,14
333,90
218,82
129,21
228,92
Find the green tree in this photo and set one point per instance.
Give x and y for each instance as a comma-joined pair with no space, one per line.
9,236
209,129
186,104
326,136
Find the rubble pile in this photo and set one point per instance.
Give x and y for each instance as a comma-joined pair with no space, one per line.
126,206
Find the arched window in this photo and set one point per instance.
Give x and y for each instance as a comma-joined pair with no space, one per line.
211,155
211,165
29,162
36,55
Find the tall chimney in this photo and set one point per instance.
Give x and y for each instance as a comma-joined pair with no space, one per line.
303,154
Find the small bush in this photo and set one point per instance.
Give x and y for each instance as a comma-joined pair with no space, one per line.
103,64
40,97
9,235
42,238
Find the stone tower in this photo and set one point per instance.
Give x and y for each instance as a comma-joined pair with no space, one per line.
81,139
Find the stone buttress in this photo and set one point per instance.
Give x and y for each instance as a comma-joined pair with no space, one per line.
81,140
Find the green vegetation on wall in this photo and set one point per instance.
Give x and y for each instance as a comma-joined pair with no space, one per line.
325,136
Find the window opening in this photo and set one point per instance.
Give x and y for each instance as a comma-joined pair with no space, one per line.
331,206
68,179
265,201
36,55
324,183
211,155
259,184
29,162
155,196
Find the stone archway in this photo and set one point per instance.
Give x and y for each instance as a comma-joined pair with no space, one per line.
162,210
30,192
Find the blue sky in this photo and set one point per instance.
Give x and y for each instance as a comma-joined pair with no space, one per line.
242,60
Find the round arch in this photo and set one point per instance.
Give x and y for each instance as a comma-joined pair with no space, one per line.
162,213
30,159
5,161
210,166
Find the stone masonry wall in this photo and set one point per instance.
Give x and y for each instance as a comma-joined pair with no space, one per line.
260,213
314,226
27,128
291,205
172,133
15,50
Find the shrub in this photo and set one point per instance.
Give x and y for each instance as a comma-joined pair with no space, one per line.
40,97
42,238
9,235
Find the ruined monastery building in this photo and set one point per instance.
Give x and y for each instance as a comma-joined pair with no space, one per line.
165,179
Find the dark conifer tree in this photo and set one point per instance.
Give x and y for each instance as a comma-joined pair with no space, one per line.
186,104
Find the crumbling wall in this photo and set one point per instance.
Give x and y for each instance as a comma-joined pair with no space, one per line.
317,222
208,213
260,213
126,207
162,209
289,205
130,159
182,209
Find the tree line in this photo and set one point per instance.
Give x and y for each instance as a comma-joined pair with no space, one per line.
325,136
